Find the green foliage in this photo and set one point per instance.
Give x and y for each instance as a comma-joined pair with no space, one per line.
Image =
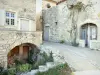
48,6
12,71
18,62
24,68
39,62
1,69
47,58
3,72
75,44
62,41
31,52
79,6
62,69
50,57
32,56
44,58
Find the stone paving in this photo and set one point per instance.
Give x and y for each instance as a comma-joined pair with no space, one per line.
89,72
78,58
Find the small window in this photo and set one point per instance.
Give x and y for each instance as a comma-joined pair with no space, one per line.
10,18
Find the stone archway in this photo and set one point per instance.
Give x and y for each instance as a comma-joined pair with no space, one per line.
20,53
88,32
11,39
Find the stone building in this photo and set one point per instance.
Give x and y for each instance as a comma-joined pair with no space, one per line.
59,23
46,3
18,32
39,15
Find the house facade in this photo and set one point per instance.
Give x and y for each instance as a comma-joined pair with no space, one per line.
18,32
59,23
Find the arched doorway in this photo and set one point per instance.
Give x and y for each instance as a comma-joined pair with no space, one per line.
20,53
88,33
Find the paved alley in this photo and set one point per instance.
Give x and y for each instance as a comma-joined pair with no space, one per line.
79,59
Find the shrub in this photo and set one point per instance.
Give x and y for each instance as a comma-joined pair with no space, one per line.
48,6
1,69
24,68
12,71
75,44
45,56
41,61
50,58
62,69
18,62
30,55
3,72
62,41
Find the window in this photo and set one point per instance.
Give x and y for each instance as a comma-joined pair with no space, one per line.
10,18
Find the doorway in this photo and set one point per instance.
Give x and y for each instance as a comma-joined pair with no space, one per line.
88,33
46,33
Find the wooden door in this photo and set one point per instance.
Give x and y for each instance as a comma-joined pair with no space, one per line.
25,52
46,33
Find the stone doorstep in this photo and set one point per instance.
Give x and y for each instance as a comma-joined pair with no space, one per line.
88,72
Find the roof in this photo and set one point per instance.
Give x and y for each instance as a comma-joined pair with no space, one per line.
56,1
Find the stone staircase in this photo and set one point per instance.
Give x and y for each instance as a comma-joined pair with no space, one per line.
42,68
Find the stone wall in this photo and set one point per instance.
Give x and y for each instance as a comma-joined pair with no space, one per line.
25,8
11,39
59,21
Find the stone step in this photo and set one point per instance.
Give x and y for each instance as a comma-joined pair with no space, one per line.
50,64
33,72
43,68
89,72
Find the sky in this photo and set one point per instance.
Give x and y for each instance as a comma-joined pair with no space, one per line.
38,5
